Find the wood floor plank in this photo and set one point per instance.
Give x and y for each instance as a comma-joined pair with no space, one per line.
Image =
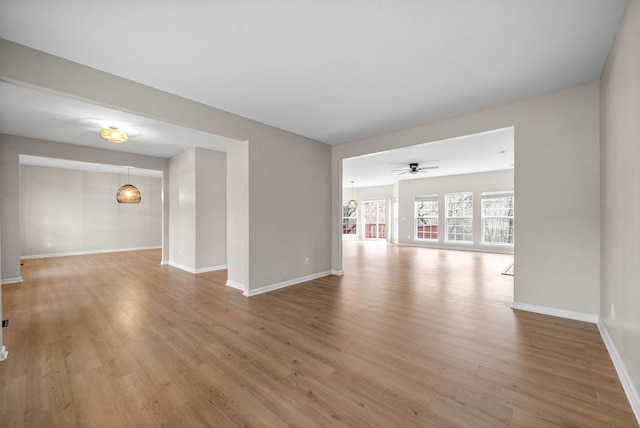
407,337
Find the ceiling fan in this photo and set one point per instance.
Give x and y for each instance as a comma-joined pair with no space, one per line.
415,168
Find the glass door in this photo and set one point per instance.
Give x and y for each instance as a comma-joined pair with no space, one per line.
375,219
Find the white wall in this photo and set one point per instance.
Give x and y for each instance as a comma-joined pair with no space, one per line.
289,211
3,350
620,253
238,215
557,183
211,209
182,210
76,211
197,228
476,183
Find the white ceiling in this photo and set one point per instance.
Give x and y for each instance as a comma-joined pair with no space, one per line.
30,113
487,151
333,71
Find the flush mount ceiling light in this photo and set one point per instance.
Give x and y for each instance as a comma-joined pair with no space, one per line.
128,194
113,135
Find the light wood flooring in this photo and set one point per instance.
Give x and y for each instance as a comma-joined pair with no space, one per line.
407,337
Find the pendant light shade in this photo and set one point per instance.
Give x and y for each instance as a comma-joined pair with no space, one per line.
128,194
352,203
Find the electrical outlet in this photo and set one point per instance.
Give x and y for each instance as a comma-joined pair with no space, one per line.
306,260
613,312
49,244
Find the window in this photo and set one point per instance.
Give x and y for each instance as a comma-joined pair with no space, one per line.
497,218
375,219
459,216
349,219
426,217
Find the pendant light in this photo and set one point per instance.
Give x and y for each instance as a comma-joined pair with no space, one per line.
128,194
352,203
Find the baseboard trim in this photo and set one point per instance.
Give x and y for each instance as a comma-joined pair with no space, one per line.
196,271
561,313
3,353
483,249
337,272
235,285
164,263
284,284
211,269
12,280
627,383
83,253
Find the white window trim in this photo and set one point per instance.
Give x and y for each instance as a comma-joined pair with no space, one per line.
446,219
495,195
430,198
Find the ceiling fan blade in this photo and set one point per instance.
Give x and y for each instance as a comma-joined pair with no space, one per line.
404,172
429,167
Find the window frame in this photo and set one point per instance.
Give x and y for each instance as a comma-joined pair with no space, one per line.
495,195
468,219
417,218
354,216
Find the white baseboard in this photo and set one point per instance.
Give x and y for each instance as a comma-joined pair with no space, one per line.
578,316
164,263
337,272
482,249
83,253
627,383
236,285
196,271
284,284
11,280
211,269
3,353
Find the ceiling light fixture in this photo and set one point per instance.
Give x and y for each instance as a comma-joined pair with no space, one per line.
128,194
113,135
352,203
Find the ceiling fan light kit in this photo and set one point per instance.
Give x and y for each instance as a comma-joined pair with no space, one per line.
414,168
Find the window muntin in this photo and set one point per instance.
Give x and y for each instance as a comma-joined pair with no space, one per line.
426,216
375,219
459,217
498,218
349,219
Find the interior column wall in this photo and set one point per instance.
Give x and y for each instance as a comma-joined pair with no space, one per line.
238,215
182,210
211,209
